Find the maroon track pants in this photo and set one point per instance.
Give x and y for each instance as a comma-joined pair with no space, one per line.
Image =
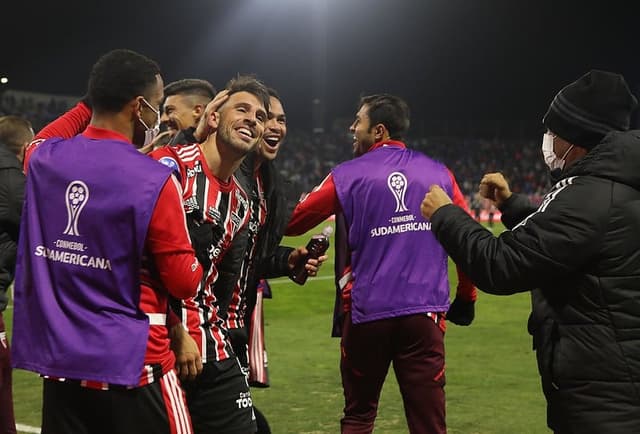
415,345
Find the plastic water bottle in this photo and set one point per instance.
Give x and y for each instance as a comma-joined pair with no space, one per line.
317,245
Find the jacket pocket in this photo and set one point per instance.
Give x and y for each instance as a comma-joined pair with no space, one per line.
545,341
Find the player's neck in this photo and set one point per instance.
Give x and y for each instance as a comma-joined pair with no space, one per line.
221,160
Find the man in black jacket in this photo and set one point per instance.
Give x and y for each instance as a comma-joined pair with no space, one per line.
15,134
578,253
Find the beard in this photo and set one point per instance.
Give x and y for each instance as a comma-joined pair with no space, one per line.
235,144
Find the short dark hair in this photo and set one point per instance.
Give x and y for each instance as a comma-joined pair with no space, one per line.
118,77
190,86
15,133
390,111
274,93
248,83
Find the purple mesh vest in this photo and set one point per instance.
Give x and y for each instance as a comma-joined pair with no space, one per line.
88,204
398,266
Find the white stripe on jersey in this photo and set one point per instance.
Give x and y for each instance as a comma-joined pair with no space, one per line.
188,153
549,197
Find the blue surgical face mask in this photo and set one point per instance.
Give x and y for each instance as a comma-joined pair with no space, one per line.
550,157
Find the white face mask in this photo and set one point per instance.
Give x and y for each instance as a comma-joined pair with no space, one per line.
150,133
550,157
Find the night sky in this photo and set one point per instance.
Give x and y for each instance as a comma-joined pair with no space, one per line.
451,59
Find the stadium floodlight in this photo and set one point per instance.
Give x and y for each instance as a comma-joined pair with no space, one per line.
4,80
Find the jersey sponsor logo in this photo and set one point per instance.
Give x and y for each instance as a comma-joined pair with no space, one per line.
76,197
193,171
244,400
397,183
170,163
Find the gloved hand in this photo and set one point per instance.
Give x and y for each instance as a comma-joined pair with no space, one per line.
461,312
202,239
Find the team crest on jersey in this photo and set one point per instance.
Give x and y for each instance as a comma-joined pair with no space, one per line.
397,183
76,197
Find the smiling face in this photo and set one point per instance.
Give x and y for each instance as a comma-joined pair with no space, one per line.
275,131
179,112
242,120
363,134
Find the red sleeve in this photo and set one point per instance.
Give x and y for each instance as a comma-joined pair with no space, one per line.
458,197
66,126
314,208
465,290
70,124
168,241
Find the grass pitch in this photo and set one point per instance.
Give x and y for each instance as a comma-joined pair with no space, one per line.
492,380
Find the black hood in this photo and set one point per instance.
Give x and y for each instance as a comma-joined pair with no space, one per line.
616,157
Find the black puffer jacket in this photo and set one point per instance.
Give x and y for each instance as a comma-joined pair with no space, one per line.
581,247
11,197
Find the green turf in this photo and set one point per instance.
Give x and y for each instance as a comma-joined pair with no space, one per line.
492,381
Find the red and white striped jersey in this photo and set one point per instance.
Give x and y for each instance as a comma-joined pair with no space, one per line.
226,206
238,305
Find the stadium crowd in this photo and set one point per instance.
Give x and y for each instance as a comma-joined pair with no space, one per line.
310,156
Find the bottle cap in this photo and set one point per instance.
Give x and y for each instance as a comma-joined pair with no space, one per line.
327,231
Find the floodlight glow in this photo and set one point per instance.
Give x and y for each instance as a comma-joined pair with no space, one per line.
4,80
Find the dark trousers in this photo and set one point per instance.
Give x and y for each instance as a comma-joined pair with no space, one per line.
220,401
157,408
415,346
7,420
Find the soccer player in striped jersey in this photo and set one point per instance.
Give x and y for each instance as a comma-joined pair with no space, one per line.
220,396
217,208
256,252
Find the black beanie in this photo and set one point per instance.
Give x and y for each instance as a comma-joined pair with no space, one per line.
583,112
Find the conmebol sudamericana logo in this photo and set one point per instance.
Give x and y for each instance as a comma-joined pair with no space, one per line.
76,197
397,183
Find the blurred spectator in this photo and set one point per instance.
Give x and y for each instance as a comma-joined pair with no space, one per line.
310,156
15,133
